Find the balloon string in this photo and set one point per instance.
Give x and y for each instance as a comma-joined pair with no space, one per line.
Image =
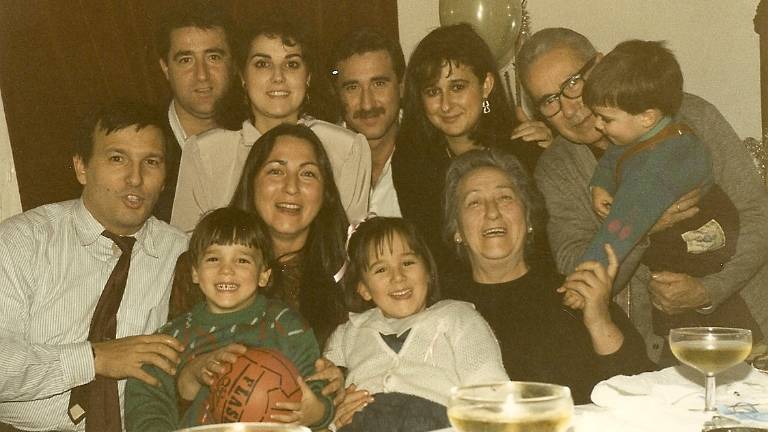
511,97
521,38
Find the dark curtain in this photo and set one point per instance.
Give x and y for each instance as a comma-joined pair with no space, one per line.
58,58
761,28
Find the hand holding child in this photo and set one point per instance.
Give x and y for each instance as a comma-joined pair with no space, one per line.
573,297
683,208
592,282
601,201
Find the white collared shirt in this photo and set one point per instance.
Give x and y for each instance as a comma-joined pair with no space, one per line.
54,264
383,199
176,127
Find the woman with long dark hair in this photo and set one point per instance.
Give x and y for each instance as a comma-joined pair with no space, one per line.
454,102
288,182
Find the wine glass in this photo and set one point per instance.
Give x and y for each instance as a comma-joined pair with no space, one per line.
511,406
710,350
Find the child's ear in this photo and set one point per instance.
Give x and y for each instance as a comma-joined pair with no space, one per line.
264,277
194,276
650,117
362,289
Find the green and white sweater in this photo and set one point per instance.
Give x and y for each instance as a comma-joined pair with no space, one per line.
266,323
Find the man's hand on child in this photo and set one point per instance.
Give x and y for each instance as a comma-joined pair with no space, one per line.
682,209
124,357
354,402
601,201
307,412
325,370
203,369
677,292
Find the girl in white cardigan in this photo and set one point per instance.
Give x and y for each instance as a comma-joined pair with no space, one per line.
402,348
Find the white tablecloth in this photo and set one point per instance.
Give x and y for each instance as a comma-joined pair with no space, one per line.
670,400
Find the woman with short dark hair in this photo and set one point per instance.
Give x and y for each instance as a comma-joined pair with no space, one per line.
491,213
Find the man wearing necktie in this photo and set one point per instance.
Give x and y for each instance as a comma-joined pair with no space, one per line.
84,282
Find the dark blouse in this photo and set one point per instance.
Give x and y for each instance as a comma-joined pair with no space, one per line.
541,340
418,174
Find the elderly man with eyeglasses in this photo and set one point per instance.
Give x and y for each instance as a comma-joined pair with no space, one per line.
553,65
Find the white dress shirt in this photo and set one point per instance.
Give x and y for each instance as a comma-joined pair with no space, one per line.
383,200
54,264
178,130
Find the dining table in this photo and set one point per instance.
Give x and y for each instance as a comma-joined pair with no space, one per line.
672,400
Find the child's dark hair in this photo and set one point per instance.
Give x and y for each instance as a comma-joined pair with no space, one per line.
228,226
636,76
378,233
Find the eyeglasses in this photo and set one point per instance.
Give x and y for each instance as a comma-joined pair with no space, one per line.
571,88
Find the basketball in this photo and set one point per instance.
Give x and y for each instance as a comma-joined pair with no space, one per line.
254,383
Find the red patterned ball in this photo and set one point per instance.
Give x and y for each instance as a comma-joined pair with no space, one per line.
255,382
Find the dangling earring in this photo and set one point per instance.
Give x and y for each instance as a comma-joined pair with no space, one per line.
306,97
457,239
486,106
530,230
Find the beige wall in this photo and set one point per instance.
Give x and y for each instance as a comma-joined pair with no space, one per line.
9,188
714,41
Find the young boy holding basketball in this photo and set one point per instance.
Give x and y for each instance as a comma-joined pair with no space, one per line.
229,251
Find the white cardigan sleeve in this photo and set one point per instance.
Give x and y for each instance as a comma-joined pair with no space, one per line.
476,351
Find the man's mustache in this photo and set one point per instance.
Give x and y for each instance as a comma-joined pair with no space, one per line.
367,114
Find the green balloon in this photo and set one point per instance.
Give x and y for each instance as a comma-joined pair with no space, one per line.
496,21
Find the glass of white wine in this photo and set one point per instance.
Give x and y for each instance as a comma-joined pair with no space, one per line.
710,350
511,407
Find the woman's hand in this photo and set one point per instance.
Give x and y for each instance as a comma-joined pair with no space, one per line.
354,402
203,369
307,412
326,370
531,131
592,282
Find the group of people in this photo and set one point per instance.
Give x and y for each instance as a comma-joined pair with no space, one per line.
434,236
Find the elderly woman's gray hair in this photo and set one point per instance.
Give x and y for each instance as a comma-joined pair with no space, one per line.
526,191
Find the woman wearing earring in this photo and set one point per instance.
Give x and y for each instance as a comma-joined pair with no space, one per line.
276,67
492,210
454,102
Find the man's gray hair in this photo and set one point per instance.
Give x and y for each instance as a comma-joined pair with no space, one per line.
523,184
548,39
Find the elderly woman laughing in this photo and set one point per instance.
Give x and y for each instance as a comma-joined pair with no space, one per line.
491,215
